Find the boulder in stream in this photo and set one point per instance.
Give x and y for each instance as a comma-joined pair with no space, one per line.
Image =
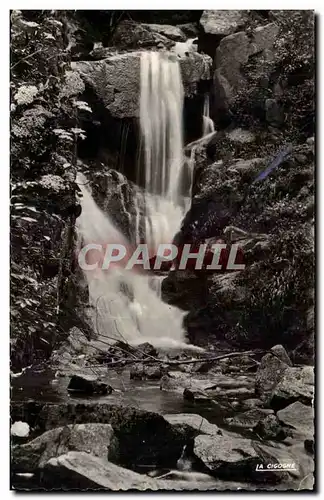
88,384
97,439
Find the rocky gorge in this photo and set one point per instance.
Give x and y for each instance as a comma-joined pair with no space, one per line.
162,126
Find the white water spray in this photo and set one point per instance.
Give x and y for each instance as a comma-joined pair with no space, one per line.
124,305
208,124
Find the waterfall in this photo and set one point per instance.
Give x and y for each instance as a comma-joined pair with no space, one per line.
208,124
161,109
126,304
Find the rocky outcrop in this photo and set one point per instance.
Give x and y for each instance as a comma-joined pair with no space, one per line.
216,24
143,437
88,384
271,220
85,471
116,79
296,384
97,438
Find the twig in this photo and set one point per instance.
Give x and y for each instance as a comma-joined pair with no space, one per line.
185,361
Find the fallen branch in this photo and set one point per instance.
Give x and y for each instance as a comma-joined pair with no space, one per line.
185,361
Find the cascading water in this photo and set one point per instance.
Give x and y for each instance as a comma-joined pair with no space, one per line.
208,124
161,109
123,302
127,305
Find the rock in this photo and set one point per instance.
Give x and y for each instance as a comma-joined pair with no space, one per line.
233,52
296,384
88,384
270,428
251,403
172,32
189,29
97,439
81,471
116,80
130,35
20,429
281,353
227,455
77,470
216,24
269,373
141,371
144,437
301,474
309,446
274,113
196,422
300,417
147,349
248,419
196,396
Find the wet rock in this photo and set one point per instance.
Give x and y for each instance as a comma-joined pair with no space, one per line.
116,80
98,439
144,437
248,419
281,353
300,418
234,51
196,396
269,373
80,470
216,24
147,349
301,474
251,403
146,372
88,384
228,455
270,428
309,446
296,384
172,32
196,422
274,113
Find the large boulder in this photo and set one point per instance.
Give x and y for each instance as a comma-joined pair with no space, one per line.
195,422
233,53
268,375
300,418
216,24
82,471
116,79
296,384
88,384
144,437
98,439
226,455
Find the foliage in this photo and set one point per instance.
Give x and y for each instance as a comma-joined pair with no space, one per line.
44,133
287,77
